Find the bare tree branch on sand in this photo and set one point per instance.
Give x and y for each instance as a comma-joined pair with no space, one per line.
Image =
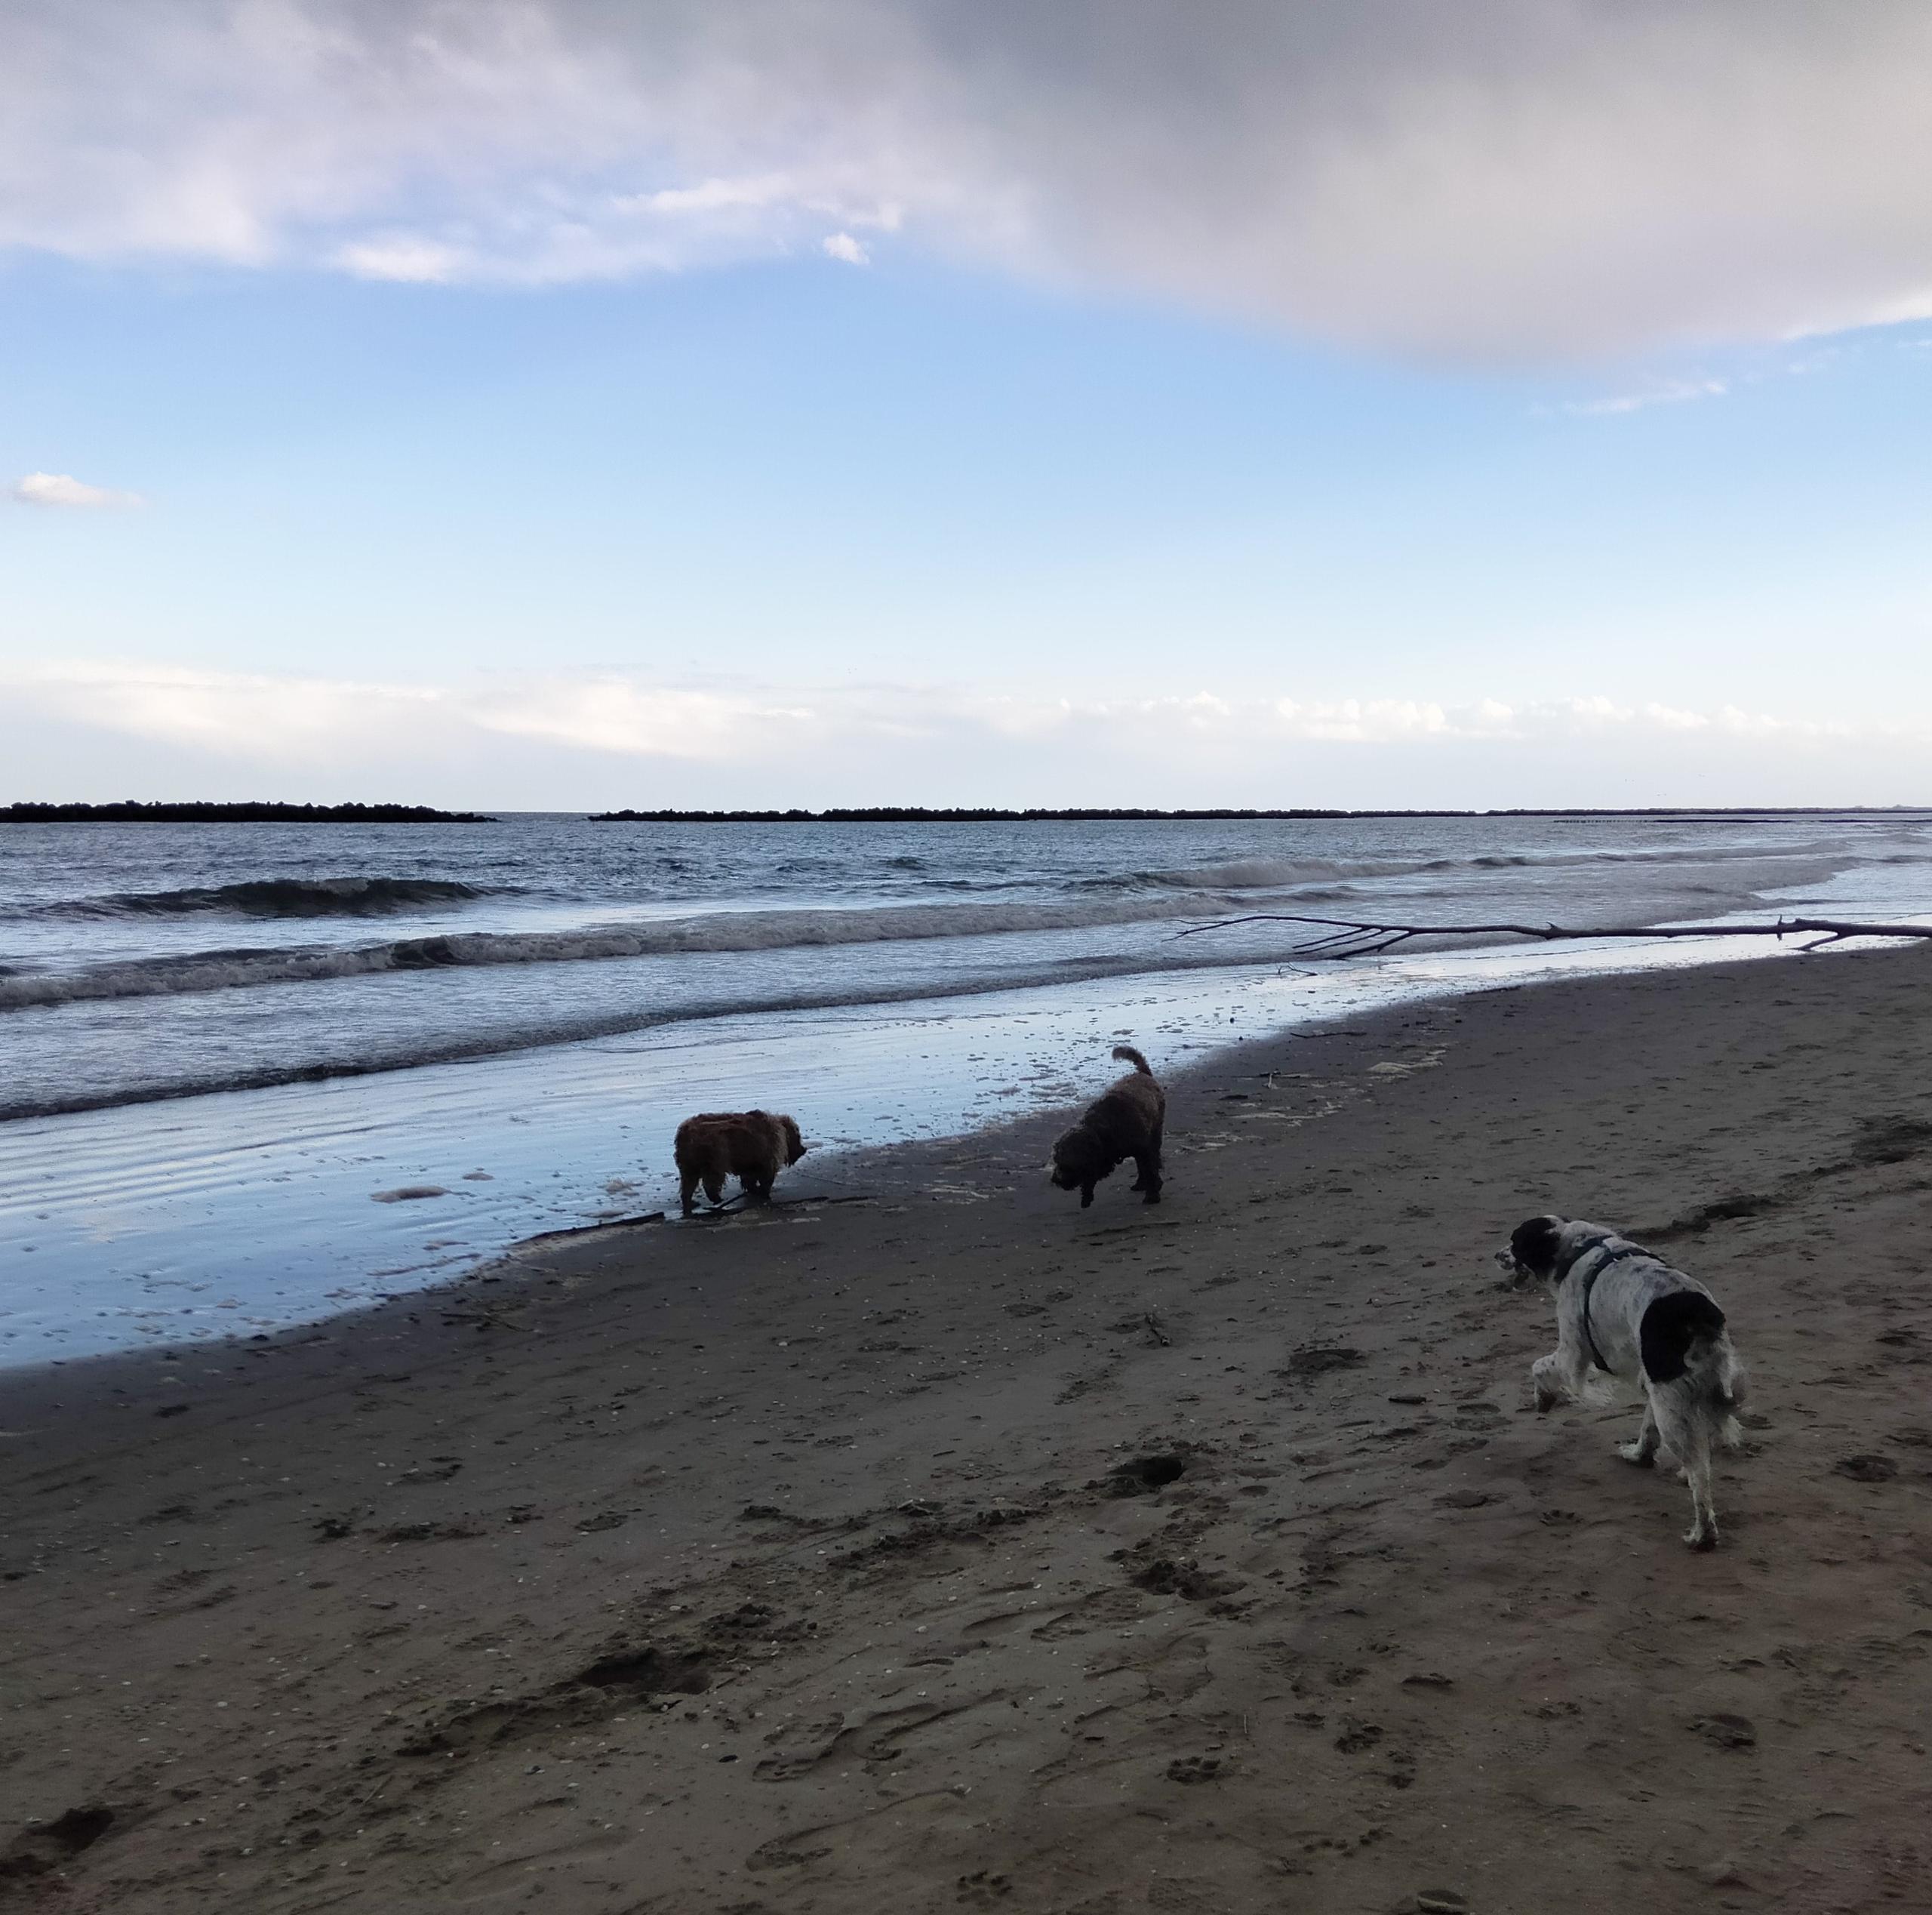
1349,937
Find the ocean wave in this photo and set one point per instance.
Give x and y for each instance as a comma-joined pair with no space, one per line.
1273,873
719,931
857,991
1198,895
282,898
1289,874
1282,875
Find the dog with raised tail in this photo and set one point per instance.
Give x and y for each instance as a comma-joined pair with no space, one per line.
1623,1311
1126,1122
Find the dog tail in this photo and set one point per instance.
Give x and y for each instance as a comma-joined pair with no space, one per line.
1683,1335
1127,1054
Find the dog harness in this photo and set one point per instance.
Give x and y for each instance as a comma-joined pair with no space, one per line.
1590,1283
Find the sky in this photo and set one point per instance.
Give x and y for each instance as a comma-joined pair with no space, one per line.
555,403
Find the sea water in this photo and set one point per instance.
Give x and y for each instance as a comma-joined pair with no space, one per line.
224,1049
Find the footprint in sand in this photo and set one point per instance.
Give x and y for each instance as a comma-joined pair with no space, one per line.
1193,1768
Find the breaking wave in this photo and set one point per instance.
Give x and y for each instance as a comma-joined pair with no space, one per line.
1197,894
1288,874
722,930
282,898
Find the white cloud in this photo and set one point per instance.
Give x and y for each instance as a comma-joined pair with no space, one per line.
249,717
412,261
58,489
1506,178
614,715
1666,392
263,717
1356,721
716,196
103,728
843,246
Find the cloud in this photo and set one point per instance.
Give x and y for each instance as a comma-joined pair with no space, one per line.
1668,392
58,488
411,261
558,742
617,715
262,717
1510,179
843,246
243,717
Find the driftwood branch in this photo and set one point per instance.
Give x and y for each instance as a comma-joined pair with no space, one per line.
1351,938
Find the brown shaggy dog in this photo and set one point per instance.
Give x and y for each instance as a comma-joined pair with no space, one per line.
1125,1122
752,1145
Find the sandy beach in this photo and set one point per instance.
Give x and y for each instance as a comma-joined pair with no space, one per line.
926,1543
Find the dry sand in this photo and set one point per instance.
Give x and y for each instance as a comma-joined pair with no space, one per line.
957,1549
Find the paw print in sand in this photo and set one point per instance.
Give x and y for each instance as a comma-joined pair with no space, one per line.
1193,1768
982,1889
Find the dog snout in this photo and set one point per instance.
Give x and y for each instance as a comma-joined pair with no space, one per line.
1506,1262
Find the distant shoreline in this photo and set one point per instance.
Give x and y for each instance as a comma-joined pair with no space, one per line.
248,814
256,813
919,814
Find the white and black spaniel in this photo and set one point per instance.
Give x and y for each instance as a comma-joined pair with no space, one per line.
1625,1312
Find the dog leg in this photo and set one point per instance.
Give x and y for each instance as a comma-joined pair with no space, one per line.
714,1190
1546,1379
1703,1534
1689,1436
1643,1451
687,1189
1147,1168
1086,1195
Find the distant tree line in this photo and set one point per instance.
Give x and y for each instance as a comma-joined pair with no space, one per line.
946,814
989,815
133,813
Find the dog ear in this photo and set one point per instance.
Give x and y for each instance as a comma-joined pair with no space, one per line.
1672,1324
1069,1157
1534,1243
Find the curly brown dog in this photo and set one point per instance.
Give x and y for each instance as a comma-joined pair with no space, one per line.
752,1145
1125,1122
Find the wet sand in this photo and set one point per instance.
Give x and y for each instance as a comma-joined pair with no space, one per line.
949,1547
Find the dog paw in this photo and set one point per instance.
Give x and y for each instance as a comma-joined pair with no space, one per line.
1702,1536
1636,1453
